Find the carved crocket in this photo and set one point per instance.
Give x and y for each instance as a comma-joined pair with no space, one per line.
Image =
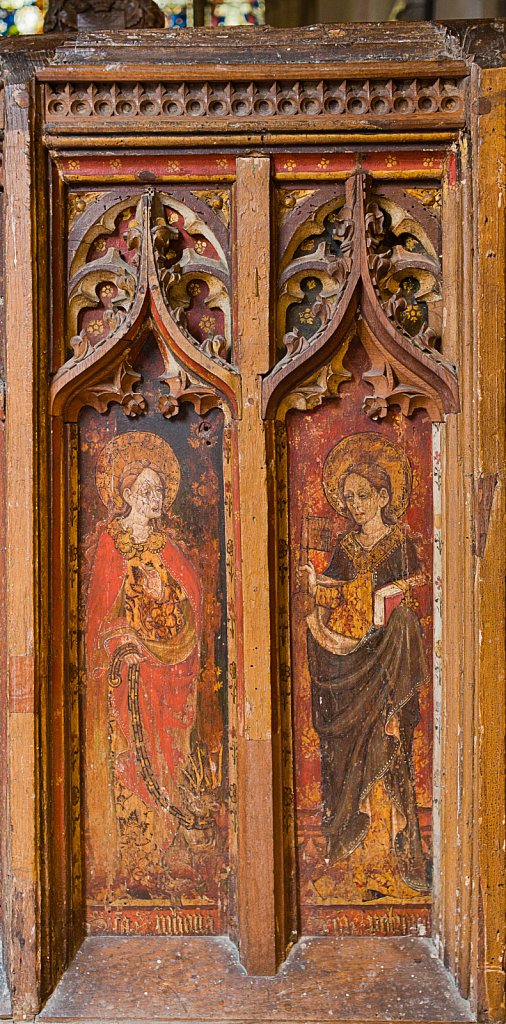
73,15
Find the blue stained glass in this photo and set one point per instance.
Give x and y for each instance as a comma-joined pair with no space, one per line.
178,13
235,12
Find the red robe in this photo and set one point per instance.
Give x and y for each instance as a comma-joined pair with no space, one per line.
167,699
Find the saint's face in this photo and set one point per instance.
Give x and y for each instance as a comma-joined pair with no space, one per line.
363,501
145,496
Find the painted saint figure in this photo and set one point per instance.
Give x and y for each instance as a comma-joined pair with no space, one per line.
366,655
143,647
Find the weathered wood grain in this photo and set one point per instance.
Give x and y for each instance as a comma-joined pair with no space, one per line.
345,979
22,898
489,324
256,836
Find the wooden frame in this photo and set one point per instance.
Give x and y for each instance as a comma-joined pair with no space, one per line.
42,922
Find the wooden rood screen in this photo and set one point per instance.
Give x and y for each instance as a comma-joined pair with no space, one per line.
254,442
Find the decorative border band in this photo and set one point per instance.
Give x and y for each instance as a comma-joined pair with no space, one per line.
436,99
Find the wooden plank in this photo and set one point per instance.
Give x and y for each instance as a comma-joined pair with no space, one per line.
256,838
22,902
489,181
322,123
466,891
457,897
4,995
250,71
325,979
56,140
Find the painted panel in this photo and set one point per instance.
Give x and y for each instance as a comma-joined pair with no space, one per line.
154,668
361,555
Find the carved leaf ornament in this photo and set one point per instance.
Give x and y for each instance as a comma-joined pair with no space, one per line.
355,265
154,266
359,266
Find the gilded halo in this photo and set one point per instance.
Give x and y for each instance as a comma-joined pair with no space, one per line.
136,446
368,449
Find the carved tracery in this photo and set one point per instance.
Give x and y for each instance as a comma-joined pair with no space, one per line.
146,262
357,263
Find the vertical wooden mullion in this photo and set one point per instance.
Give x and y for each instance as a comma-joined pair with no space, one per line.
458,603
489,323
283,754
22,905
468,724
256,883
56,735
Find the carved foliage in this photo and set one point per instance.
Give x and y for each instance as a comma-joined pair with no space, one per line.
219,201
194,275
313,274
360,265
191,266
117,386
404,270
154,266
183,387
324,383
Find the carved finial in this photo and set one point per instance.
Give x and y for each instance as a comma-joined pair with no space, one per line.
86,15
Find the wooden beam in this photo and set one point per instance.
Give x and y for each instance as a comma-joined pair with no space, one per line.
255,786
489,163
305,70
455,894
22,899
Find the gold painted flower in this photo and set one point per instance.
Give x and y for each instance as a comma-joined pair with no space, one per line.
115,164
391,161
100,245
95,328
412,313
306,317
289,166
411,243
311,283
429,161
222,162
193,288
323,164
200,245
310,743
76,205
74,165
207,323
173,167
173,217
107,290
310,796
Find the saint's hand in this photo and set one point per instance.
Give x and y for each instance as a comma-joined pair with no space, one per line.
306,575
129,652
133,658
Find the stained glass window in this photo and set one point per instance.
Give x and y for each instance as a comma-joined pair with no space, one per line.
178,13
235,12
26,17
21,17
